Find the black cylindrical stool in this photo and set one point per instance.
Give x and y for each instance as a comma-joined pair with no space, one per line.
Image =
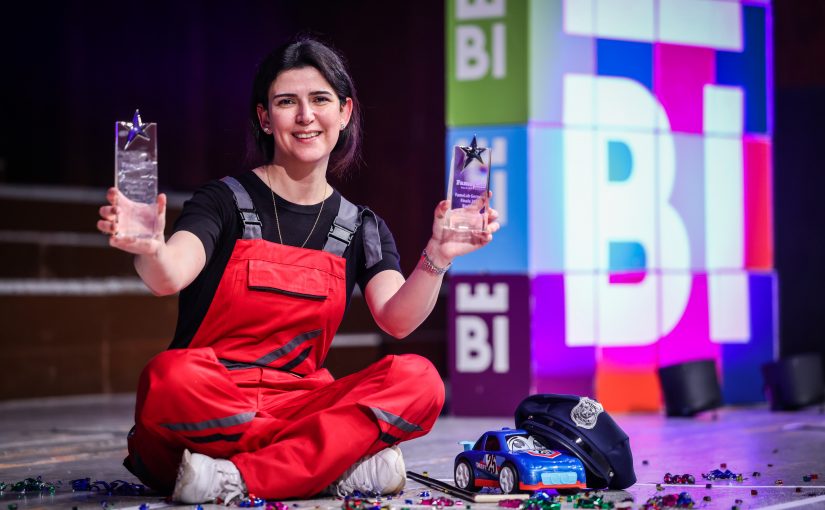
690,387
794,382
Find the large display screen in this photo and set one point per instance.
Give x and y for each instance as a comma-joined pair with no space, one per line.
634,180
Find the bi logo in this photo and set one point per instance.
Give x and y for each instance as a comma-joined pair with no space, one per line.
477,347
473,58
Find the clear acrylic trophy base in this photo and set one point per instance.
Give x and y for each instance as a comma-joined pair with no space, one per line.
135,219
466,220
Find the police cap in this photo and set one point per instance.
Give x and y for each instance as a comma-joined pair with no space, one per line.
581,426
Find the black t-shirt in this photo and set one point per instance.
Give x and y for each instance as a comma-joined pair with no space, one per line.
212,216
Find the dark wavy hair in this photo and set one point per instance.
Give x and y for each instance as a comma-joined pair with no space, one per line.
307,52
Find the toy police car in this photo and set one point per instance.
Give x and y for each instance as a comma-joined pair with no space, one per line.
514,461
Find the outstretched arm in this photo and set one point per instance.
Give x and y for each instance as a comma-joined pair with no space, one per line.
165,267
399,306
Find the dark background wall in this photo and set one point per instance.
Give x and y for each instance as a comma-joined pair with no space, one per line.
70,69
73,68
799,176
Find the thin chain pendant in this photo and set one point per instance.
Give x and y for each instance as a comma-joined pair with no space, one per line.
278,222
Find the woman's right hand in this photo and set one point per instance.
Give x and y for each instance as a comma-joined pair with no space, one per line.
108,224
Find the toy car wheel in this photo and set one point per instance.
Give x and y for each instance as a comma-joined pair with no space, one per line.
508,479
463,476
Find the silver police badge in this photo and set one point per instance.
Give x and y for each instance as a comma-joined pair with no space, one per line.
586,412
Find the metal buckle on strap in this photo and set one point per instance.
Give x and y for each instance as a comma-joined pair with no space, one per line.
249,217
341,233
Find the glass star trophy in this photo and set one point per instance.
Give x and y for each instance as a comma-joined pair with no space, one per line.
468,188
136,177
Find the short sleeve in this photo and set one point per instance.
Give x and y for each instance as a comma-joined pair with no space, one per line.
207,215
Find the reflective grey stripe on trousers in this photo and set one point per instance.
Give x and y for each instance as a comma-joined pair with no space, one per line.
228,421
394,420
288,347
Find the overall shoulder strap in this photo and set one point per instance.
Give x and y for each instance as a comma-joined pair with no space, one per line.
343,228
349,219
243,202
372,238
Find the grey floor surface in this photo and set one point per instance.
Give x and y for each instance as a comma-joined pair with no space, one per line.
77,437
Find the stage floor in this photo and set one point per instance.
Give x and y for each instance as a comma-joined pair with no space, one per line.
77,437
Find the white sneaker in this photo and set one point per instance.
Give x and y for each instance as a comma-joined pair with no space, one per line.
381,474
202,479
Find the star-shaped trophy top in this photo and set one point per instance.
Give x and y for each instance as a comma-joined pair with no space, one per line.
472,152
136,128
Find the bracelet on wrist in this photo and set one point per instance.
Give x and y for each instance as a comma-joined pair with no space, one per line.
429,266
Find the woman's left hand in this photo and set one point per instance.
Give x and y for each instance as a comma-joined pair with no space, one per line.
447,244
400,306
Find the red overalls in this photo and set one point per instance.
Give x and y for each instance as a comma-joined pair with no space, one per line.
250,388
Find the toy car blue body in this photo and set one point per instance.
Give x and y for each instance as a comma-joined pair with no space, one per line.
515,461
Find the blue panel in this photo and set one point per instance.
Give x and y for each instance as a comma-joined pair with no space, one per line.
632,60
546,200
508,251
748,69
619,161
742,381
627,256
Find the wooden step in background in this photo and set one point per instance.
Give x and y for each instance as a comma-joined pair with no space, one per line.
76,319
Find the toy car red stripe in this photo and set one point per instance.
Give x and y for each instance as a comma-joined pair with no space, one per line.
535,487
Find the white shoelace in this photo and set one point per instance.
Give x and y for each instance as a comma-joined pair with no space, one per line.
232,486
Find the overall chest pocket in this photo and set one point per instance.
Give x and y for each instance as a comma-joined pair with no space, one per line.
288,280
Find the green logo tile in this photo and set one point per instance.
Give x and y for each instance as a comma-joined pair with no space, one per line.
487,80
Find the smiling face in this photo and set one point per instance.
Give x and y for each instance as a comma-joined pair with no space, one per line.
304,116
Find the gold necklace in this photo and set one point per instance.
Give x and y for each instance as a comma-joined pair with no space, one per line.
275,208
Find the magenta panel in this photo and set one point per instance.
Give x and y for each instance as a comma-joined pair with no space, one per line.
489,347
689,340
557,368
679,76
